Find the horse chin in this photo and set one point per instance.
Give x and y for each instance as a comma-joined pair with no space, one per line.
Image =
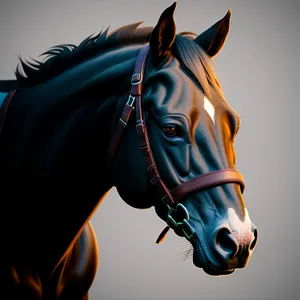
211,270
200,260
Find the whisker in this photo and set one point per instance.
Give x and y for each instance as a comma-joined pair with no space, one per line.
186,254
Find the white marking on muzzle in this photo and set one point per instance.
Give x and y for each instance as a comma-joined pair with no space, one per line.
210,109
236,224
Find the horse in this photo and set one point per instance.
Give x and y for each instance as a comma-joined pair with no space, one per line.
139,109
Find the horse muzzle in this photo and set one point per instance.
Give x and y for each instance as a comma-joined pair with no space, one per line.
230,247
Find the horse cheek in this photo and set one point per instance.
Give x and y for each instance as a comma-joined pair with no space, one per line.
130,176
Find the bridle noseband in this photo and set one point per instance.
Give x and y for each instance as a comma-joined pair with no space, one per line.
170,198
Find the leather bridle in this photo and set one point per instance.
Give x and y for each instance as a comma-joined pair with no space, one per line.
174,197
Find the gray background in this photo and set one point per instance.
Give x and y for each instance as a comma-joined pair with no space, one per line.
259,71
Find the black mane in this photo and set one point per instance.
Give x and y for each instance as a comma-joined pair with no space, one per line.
62,57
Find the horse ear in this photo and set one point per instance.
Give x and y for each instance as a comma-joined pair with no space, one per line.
164,33
213,39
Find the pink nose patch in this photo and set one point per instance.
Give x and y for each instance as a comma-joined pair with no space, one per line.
243,239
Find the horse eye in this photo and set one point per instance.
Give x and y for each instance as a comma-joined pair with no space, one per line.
170,131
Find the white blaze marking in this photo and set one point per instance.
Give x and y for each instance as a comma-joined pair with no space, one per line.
236,224
209,109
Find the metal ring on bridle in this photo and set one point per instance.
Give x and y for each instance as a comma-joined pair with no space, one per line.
184,224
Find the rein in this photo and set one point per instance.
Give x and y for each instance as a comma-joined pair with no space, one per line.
172,199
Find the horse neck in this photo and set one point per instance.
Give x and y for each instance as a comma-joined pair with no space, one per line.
60,146
92,90
69,120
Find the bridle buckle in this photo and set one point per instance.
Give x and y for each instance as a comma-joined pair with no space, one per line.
130,101
136,79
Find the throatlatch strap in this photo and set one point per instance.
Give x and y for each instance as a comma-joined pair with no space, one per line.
119,130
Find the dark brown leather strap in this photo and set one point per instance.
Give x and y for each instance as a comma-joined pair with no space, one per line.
120,129
4,107
152,170
162,235
207,180
136,90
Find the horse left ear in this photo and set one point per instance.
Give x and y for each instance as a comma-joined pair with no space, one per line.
164,33
213,39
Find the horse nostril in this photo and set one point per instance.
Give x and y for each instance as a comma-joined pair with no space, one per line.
225,242
253,244
234,247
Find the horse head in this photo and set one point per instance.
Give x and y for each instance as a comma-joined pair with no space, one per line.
191,130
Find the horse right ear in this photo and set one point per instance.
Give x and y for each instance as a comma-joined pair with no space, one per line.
213,39
164,33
